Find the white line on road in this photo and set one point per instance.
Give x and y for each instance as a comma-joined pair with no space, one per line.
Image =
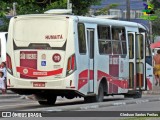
89,107
119,103
141,101
17,105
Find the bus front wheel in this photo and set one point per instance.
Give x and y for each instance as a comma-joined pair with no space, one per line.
49,101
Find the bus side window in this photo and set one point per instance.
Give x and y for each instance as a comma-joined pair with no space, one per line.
119,40
107,48
104,39
123,40
124,47
116,48
115,35
81,38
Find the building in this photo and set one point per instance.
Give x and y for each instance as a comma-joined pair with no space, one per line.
120,12
136,7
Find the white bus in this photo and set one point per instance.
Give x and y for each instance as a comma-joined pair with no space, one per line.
73,56
3,40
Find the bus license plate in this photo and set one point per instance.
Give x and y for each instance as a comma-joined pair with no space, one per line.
38,84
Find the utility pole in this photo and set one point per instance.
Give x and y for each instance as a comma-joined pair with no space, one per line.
14,8
128,10
150,29
69,5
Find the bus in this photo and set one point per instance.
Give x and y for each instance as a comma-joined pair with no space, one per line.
3,40
76,56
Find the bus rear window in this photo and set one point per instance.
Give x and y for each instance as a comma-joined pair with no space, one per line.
40,30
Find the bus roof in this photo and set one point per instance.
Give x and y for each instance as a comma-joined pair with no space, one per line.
86,19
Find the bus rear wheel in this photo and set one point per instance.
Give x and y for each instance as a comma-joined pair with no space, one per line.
100,96
138,95
49,101
97,98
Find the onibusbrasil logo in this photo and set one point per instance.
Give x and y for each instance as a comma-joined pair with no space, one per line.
148,12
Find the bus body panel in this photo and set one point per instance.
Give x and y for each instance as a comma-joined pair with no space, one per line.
88,72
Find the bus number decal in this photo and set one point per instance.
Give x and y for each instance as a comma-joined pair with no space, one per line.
56,57
114,61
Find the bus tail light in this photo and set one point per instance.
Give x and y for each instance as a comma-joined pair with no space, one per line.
9,64
71,65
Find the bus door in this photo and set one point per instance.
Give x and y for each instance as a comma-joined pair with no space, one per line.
140,61
90,41
136,61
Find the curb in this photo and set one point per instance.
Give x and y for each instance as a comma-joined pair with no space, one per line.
92,105
151,93
5,96
8,92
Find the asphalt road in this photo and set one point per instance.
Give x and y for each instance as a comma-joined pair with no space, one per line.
67,108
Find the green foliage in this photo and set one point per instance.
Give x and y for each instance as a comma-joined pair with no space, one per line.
60,4
29,8
80,7
5,21
104,11
156,3
155,23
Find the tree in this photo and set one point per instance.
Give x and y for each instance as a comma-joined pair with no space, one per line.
156,3
104,11
80,7
155,23
22,7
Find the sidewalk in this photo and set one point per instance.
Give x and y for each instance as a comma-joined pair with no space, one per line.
155,91
9,94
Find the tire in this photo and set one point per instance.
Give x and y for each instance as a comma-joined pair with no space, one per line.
97,98
137,95
100,96
88,99
50,101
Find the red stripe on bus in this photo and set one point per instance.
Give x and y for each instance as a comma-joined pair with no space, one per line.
81,83
149,84
120,83
37,73
114,81
83,76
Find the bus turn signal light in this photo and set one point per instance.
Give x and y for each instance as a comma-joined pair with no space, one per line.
9,64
